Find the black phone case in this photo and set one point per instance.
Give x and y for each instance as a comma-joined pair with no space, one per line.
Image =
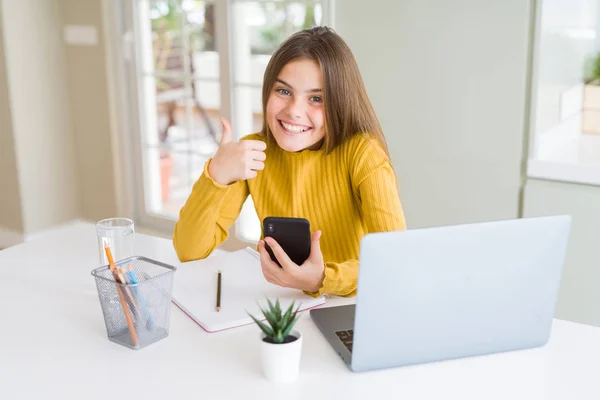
292,234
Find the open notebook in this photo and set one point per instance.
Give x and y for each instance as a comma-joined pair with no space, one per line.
242,286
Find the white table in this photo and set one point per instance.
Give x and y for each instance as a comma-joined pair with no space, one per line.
53,344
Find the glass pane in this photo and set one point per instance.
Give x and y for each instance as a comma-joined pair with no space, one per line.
564,137
186,114
205,131
156,174
208,95
175,32
248,110
265,24
162,36
199,132
200,33
169,176
165,102
200,24
180,134
185,170
205,64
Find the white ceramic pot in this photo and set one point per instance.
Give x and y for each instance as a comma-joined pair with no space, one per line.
281,362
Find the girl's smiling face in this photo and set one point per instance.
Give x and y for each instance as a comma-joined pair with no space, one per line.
295,111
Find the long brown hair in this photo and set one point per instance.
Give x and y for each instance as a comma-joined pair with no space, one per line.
348,110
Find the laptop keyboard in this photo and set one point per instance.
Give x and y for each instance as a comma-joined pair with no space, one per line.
347,337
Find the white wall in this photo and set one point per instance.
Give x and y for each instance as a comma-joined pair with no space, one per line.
86,80
37,87
448,82
579,298
11,223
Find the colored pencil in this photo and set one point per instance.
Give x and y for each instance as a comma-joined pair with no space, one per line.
113,269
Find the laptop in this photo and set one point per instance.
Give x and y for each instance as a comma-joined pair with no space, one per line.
448,292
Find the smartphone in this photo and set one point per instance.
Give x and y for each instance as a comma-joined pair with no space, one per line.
292,234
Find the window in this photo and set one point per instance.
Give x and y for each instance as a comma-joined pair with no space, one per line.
565,116
195,61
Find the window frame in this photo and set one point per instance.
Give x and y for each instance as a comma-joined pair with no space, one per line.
122,31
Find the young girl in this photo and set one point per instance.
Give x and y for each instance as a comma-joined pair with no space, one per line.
321,155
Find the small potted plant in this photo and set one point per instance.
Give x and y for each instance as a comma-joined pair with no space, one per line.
591,97
281,346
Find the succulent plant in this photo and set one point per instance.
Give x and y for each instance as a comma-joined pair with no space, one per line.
280,323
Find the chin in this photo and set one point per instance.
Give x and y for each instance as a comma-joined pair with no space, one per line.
292,144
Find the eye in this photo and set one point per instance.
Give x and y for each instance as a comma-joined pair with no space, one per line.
316,99
284,92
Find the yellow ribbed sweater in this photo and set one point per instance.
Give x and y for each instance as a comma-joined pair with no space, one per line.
346,194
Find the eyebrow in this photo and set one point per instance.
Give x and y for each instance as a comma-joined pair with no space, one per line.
288,85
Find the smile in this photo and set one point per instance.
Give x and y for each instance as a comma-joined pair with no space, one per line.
292,128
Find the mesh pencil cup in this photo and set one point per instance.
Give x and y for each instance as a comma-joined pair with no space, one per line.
136,314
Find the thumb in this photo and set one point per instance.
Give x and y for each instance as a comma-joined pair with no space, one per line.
227,136
315,245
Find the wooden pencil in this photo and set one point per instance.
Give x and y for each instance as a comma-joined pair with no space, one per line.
219,291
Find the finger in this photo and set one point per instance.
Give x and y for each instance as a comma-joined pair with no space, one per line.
315,245
280,254
258,155
255,145
263,253
270,265
227,136
269,277
257,165
270,269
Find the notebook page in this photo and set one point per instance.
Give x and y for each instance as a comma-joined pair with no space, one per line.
242,286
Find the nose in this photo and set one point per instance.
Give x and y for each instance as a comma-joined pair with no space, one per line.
296,108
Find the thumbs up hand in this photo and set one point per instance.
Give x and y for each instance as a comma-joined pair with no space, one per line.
236,161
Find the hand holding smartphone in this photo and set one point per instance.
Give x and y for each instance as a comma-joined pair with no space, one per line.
292,234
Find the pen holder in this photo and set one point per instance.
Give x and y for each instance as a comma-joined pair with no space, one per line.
139,314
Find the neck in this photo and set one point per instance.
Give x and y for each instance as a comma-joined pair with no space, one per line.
316,146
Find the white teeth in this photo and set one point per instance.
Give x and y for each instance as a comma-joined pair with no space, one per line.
293,128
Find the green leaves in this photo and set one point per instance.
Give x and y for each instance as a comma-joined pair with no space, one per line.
268,331
280,323
596,68
592,70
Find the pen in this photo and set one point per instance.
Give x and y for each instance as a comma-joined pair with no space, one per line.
124,278
133,279
219,291
129,292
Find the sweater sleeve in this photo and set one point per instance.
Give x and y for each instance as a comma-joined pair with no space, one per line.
205,218
376,190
